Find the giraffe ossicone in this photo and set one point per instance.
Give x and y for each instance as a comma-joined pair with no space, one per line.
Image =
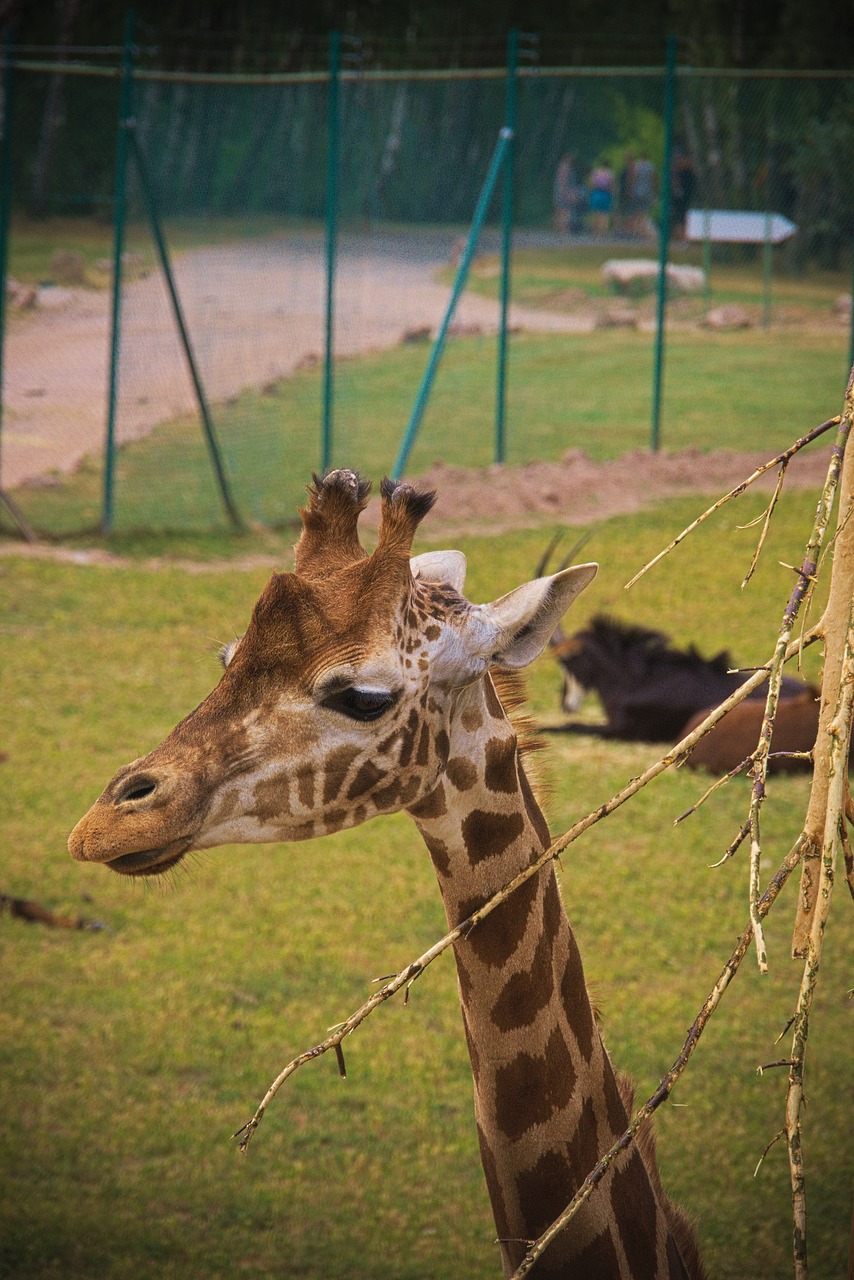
366,684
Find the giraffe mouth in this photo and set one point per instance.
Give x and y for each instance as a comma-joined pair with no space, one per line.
149,862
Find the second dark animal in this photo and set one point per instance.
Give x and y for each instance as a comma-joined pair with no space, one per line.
648,689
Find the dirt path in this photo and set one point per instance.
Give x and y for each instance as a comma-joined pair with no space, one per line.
255,312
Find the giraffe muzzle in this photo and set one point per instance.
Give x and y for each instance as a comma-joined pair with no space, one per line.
142,824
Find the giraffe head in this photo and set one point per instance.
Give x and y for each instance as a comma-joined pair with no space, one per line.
336,704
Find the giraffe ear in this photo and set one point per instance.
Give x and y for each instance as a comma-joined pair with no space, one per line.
525,618
440,566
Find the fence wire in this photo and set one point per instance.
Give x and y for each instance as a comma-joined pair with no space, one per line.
239,173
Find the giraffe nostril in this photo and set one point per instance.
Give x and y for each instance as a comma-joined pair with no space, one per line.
138,788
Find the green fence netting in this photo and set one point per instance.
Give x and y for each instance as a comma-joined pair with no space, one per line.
239,176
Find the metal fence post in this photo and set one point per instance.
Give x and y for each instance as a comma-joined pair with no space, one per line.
486,193
664,241
8,92
163,254
332,149
125,116
506,241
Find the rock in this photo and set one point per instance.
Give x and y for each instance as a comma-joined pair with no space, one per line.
51,295
460,330
617,318
422,334
68,266
640,275
730,316
21,296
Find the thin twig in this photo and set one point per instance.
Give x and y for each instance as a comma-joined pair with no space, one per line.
734,493
660,1095
775,1139
712,789
769,511
781,1062
734,846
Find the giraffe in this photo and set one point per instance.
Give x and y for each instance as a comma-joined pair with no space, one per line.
366,684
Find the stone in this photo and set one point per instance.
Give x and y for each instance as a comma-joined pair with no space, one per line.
731,316
68,266
640,275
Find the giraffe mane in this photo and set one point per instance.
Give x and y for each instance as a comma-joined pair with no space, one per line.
512,691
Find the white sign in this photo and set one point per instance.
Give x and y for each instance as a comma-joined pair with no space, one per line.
729,226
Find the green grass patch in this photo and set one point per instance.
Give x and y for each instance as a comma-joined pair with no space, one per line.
591,392
129,1056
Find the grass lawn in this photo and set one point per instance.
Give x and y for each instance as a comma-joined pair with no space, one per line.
590,392
129,1056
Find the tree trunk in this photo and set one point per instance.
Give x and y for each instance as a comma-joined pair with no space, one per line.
834,628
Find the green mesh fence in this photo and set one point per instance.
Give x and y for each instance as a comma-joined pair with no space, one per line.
238,174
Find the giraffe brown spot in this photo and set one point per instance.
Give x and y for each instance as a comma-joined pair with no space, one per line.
617,1118
530,1089
462,773
440,855
527,992
271,797
360,813
500,770
432,632
443,746
335,819
599,1260
676,1269
367,777
544,1192
493,702
305,786
636,1222
465,980
583,1148
471,719
474,1056
432,806
497,937
337,764
423,753
409,790
533,810
552,909
488,835
386,796
304,831
493,1186
576,1000
407,739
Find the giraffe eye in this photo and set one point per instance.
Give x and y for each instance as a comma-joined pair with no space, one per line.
361,704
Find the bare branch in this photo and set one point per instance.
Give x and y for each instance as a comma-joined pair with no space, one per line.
839,731
734,493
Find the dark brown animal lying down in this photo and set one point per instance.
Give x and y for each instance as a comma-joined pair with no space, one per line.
735,737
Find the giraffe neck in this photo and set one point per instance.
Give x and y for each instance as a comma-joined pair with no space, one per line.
547,1102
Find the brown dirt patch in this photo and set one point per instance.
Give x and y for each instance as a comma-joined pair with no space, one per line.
577,491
